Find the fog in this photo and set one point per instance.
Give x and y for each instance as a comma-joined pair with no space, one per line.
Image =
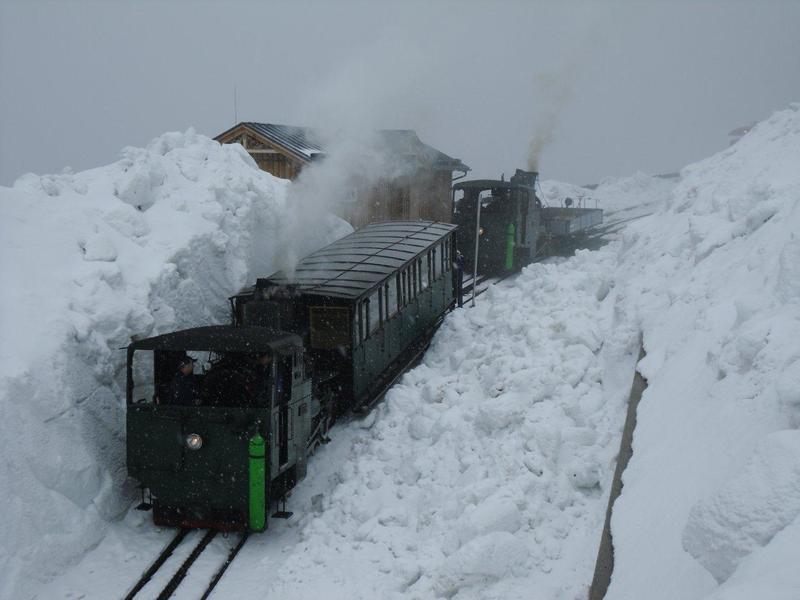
582,90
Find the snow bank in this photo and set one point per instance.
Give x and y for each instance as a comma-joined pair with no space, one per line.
151,243
713,280
619,197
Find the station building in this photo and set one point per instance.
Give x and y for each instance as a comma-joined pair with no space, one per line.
417,187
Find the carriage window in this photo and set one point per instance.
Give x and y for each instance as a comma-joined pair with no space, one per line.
399,292
414,279
425,277
360,321
391,297
433,264
442,259
373,313
366,310
447,257
404,279
381,305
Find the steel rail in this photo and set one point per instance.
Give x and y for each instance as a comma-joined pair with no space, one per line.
180,574
218,575
160,560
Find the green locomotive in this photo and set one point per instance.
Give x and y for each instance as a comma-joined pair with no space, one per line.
505,223
301,350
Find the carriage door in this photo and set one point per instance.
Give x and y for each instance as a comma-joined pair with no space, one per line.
283,393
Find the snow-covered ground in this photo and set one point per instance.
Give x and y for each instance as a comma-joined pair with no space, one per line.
485,472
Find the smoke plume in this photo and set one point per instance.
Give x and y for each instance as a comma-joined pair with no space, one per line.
555,90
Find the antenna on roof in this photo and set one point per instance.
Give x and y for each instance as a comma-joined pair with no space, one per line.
235,106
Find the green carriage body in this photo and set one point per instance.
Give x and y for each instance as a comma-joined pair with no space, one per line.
362,305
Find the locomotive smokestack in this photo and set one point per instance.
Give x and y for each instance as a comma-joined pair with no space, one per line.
526,178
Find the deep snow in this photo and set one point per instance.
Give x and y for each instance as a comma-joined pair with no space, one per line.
714,281
154,242
485,472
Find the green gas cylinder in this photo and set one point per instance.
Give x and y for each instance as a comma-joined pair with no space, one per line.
258,480
510,236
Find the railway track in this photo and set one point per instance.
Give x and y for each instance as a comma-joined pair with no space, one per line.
180,574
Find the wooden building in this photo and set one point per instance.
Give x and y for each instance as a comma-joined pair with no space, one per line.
418,189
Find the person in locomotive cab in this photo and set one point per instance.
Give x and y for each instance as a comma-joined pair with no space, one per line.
183,388
262,369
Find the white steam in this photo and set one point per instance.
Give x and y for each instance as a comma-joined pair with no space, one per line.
354,163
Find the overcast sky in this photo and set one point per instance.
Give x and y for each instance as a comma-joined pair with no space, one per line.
622,87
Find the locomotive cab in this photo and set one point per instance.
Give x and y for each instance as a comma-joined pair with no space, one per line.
216,446
508,213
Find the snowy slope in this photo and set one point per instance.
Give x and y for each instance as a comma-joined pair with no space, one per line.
151,243
711,498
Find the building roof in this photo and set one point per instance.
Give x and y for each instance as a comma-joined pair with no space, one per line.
305,143
219,338
357,263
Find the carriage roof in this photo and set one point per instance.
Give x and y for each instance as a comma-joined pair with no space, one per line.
355,264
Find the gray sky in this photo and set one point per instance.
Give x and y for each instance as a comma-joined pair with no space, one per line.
622,87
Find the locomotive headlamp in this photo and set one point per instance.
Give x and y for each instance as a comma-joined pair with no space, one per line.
194,441
480,232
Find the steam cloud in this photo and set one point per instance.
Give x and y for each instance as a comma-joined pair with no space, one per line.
354,163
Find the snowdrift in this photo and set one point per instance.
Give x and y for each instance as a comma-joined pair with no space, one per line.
151,243
620,198
710,502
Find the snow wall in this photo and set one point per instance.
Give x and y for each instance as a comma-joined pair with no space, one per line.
154,242
711,501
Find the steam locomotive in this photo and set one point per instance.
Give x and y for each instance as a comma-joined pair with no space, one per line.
504,225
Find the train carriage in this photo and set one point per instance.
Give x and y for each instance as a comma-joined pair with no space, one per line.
363,304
